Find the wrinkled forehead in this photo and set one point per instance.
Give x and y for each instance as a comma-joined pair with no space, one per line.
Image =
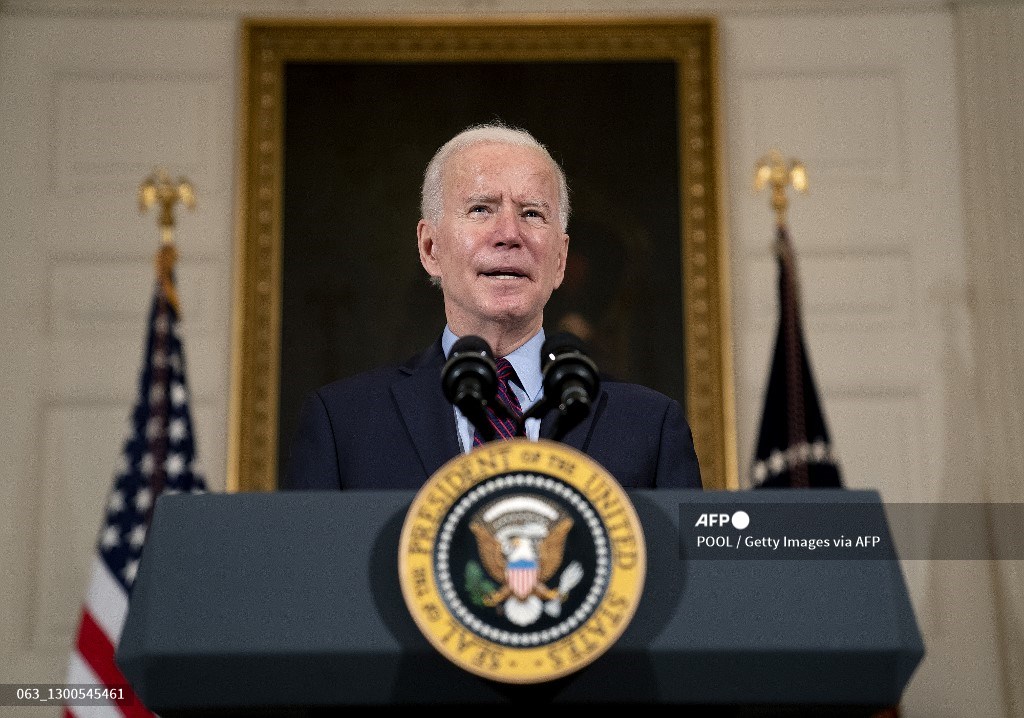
498,166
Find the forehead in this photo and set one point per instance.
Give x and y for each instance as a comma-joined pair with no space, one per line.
498,167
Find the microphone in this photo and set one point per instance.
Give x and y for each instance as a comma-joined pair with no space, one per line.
570,382
469,380
570,376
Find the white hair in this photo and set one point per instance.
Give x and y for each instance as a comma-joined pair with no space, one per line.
432,204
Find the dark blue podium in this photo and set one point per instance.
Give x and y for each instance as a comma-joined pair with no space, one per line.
289,604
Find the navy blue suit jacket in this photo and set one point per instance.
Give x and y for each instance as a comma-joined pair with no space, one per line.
392,428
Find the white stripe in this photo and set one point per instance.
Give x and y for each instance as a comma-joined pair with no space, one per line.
79,673
107,601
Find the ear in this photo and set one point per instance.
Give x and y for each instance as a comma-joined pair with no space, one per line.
425,232
562,255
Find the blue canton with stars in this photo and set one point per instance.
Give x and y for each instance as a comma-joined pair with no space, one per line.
158,455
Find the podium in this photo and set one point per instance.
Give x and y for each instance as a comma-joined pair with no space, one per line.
289,604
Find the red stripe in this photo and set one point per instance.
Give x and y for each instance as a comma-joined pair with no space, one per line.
511,400
98,652
522,580
504,430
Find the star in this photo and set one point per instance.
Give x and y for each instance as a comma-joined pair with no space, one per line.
143,499
116,502
178,394
110,538
137,536
156,394
776,462
130,569
147,464
178,430
174,465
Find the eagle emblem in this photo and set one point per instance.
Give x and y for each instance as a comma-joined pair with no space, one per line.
521,543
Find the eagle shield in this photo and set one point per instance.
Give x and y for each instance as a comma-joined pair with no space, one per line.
521,542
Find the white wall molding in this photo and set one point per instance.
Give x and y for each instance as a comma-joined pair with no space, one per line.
109,130
991,63
434,8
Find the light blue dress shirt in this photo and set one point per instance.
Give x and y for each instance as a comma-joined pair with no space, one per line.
526,361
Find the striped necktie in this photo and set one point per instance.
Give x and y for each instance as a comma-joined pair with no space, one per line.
503,428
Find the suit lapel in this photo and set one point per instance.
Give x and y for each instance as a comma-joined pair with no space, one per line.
428,417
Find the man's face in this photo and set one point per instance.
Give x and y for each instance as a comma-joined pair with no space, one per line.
499,248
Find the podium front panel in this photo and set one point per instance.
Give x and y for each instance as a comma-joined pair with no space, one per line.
293,599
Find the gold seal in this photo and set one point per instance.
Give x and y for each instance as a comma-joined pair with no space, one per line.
522,561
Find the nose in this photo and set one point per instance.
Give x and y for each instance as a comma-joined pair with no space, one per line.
506,230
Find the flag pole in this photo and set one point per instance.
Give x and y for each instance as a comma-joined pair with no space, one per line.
158,189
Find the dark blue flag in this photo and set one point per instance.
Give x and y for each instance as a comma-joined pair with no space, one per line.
793,447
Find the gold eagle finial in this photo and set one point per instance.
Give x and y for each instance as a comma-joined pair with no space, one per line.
772,170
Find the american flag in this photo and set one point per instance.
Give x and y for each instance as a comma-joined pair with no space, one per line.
157,458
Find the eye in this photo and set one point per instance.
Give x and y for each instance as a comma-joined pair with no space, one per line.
478,209
533,214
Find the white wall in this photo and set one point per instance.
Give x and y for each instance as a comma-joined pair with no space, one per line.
991,82
94,98
90,107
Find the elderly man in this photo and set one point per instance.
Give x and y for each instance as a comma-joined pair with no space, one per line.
495,210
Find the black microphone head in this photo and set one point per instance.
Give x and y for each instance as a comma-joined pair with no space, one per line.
470,374
557,344
565,363
471,344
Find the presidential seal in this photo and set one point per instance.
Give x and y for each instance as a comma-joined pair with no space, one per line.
522,561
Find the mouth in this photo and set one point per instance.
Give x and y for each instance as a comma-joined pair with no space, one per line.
505,274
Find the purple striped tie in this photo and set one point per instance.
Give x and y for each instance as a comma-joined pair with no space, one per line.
503,428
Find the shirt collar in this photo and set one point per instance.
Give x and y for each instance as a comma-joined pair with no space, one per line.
525,360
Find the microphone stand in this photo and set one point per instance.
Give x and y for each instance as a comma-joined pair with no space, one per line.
564,422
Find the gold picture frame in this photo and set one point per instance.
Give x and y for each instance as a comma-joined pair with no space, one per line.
271,47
